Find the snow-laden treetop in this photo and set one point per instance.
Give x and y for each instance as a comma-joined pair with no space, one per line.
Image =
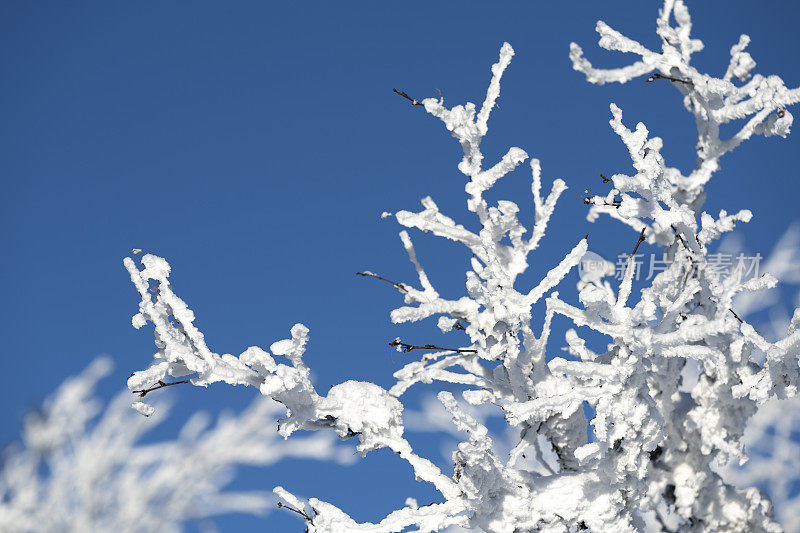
655,440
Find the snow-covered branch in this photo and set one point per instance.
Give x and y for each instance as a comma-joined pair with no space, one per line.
760,101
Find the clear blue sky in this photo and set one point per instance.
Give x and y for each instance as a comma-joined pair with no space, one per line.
255,144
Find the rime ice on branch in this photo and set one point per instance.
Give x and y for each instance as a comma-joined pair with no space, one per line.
655,441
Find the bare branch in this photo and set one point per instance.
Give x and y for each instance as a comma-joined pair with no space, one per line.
640,241
159,385
282,505
398,286
405,348
404,95
589,200
657,76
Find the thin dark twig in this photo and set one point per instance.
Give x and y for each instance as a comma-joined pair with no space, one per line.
640,241
298,511
398,286
680,238
737,317
160,385
404,347
657,76
404,95
683,242
605,179
688,272
691,253
589,200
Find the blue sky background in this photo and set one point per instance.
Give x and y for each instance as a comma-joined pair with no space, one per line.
255,144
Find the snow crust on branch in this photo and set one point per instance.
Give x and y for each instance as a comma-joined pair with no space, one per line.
81,466
649,463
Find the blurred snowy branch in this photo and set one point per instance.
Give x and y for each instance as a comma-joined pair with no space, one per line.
772,442
82,466
772,437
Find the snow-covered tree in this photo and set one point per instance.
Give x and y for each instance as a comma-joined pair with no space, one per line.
657,442
82,466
